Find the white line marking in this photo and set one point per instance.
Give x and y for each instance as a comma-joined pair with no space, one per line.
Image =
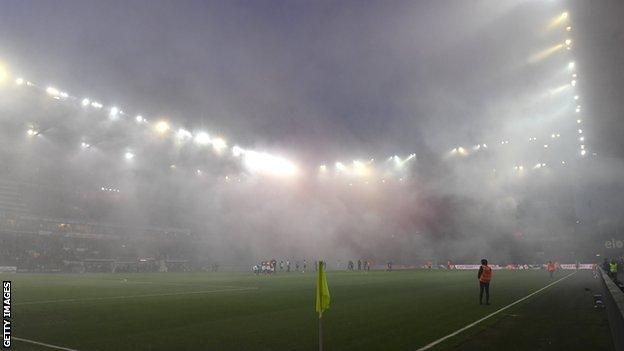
44,344
132,296
430,345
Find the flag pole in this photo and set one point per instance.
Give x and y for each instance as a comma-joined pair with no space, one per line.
320,333
320,297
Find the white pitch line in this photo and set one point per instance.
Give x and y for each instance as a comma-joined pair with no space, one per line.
132,296
432,344
44,344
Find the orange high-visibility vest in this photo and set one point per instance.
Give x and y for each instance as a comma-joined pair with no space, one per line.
486,274
551,267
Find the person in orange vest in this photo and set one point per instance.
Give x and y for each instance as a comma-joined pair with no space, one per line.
551,268
484,276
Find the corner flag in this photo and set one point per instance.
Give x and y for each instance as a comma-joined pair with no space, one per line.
322,290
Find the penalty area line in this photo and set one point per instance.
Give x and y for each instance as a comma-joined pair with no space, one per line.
434,343
133,296
50,346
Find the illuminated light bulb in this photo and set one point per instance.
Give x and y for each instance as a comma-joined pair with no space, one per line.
162,127
19,81
576,97
564,15
85,102
219,144
583,152
552,136
113,112
139,119
580,131
573,83
569,28
52,91
263,163
545,146
578,121
582,147
582,138
568,42
128,155
571,65
323,168
202,138
563,162
574,75
199,172
340,166
183,134
96,104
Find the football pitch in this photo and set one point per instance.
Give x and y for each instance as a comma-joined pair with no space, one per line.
400,310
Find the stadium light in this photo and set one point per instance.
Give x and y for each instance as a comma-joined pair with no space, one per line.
568,42
183,134
162,127
85,145
202,138
583,152
97,105
32,132
52,91
218,144
340,166
576,97
260,162
85,102
113,112
573,83
139,119
569,28
19,81
128,155
571,65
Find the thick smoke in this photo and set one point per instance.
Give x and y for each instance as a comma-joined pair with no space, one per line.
317,82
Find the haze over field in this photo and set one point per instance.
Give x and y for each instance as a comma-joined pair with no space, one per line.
507,137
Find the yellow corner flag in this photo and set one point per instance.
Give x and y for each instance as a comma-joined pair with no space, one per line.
322,290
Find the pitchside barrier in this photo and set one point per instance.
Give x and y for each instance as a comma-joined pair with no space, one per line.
566,266
614,301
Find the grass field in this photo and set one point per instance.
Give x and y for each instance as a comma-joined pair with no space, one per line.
401,310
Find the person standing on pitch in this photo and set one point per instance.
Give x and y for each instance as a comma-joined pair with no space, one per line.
551,268
484,276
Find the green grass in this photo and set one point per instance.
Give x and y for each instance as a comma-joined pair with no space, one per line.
399,310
